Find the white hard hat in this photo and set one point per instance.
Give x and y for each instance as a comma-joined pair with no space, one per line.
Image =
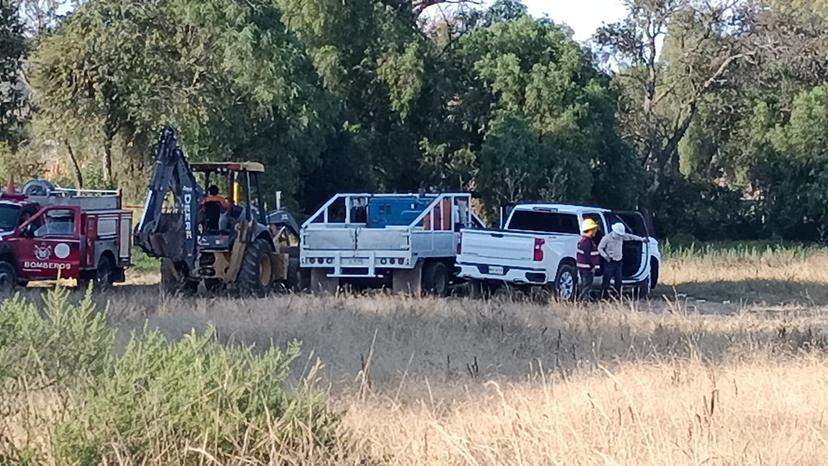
618,228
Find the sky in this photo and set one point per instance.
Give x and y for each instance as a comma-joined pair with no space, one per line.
583,16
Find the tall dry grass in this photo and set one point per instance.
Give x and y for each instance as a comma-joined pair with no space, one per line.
458,381
748,273
422,381
755,412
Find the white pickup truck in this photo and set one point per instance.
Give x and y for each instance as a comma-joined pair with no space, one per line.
537,247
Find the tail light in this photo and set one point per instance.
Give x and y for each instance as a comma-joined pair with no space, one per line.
459,243
538,256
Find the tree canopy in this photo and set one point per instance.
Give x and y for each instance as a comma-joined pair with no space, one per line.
708,114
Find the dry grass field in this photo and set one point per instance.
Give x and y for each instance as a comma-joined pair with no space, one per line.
750,273
507,381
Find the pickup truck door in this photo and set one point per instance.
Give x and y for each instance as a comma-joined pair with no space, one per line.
48,244
637,225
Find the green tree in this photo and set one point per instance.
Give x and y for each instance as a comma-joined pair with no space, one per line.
227,74
790,167
662,89
527,94
12,55
372,57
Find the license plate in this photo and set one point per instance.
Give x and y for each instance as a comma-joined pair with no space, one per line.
354,261
495,270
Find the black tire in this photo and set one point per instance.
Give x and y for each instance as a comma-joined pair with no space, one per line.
294,281
436,279
172,283
8,278
105,274
565,286
642,289
475,289
214,285
256,274
653,273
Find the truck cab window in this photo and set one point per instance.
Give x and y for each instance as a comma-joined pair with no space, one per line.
546,222
634,222
359,209
599,221
57,223
9,216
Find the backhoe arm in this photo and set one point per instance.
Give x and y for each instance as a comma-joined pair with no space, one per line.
171,235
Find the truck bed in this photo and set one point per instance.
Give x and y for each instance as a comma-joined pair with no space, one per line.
509,255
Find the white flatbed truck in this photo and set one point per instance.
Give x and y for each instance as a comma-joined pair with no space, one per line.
407,242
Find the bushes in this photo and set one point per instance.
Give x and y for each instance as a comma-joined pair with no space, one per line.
157,403
67,345
704,212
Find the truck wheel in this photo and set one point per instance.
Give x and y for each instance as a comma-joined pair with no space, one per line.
566,282
476,289
105,274
436,279
214,285
642,289
173,283
653,273
8,278
256,274
294,282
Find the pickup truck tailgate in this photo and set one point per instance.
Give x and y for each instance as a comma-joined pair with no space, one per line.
496,247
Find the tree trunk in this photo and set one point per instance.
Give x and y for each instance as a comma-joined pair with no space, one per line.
75,165
107,162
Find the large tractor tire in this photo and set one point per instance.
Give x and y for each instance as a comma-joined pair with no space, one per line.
256,274
172,283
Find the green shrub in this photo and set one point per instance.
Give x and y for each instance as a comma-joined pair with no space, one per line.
142,263
160,398
158,403
67,344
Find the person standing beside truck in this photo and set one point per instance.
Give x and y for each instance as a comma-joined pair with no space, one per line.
611,248
588,258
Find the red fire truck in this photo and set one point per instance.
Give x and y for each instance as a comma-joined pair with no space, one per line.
63,233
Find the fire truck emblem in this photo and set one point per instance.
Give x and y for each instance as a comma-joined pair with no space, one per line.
43,252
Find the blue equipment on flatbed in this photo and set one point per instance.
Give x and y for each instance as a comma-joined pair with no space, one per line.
407,241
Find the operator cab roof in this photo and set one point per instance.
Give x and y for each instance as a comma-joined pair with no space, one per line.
253,167
563,208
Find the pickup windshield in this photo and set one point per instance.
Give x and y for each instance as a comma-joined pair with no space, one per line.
547,222
9,215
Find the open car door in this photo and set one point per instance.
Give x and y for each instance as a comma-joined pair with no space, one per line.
636,255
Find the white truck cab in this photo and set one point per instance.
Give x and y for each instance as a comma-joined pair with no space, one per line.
537,247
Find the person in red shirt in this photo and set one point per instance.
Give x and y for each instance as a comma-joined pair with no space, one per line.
588,258
212,206
213,196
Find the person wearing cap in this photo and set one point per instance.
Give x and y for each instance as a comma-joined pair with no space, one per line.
588,258
611,248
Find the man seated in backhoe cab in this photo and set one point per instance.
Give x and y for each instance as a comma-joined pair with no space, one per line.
213,206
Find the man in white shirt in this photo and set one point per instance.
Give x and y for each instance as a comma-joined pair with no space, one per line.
611,248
